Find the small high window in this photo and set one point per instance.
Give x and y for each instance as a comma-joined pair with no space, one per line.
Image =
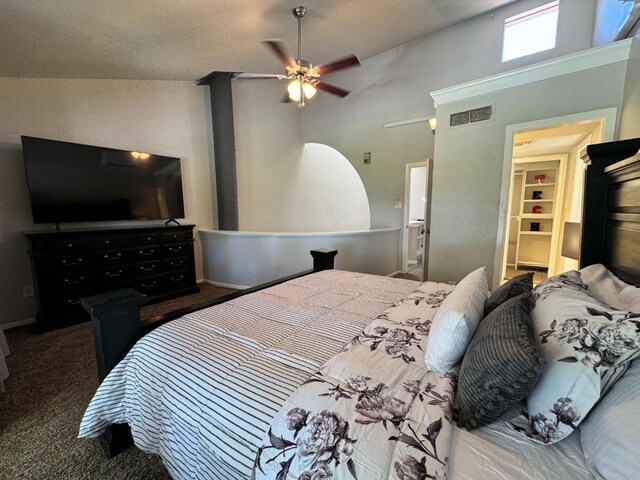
530,32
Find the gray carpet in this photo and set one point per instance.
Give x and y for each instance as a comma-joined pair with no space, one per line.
52,379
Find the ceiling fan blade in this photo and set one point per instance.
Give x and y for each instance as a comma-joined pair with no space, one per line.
259,76
325,87
341,64
279,49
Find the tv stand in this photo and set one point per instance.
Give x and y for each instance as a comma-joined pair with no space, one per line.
158,261
171,220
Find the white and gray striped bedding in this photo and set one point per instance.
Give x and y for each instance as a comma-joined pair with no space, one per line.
203,390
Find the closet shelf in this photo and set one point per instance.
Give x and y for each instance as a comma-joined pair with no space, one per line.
533,264
541,216
539,184
541,200
525,232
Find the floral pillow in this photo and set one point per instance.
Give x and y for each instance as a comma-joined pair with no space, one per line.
586,346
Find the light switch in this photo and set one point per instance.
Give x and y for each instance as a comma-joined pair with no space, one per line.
398,204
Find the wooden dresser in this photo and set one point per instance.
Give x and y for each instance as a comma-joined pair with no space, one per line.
157,261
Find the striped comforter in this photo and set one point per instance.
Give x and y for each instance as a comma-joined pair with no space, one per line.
203,390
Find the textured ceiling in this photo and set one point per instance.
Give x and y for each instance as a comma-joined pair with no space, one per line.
187,39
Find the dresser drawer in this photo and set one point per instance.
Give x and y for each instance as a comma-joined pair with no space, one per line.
67,263
69,244
150,286
66,302
145,253
74,281
177,263
149,239
174,250
177,279
110,241
114,257
147,268
176,236
116,273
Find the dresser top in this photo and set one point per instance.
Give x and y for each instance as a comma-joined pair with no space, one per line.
109,230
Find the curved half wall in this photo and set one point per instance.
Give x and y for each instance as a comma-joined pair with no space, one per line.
245,259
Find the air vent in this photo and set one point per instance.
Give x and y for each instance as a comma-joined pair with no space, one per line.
471,116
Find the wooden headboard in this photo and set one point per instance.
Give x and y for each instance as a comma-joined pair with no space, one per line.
611,216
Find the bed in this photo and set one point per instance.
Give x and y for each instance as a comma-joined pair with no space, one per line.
324,376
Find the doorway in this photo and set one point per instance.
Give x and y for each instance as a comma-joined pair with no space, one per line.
546,184
416,220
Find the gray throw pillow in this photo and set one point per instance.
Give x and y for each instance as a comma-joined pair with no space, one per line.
514,287
500,367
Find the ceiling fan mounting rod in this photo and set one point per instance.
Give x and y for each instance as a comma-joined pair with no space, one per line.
299,12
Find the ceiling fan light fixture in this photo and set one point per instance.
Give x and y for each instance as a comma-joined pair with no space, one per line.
294,90
308,90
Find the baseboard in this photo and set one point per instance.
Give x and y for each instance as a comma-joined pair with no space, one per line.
394,273
226,285
19,323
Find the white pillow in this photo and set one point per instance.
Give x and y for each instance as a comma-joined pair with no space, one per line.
455,322
585,345
611,434
609,289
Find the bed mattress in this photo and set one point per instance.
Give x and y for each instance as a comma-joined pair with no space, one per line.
202,390
497,452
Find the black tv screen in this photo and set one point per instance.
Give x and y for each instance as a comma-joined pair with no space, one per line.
70,182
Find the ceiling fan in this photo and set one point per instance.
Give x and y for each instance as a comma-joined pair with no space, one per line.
303,77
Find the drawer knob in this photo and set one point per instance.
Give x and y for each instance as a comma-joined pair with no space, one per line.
114,274
148,269
148,252
114,257
149,285
69,245
107,242
175,249
177,279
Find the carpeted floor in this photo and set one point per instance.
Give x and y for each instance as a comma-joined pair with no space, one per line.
414,272
52,379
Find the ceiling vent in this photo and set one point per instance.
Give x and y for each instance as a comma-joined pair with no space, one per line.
471,116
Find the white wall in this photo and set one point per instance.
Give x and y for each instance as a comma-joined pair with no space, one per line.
283,184
242,259
630,122
163,117
469,167
395,86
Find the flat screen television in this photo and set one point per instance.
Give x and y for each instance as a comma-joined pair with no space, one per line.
70,182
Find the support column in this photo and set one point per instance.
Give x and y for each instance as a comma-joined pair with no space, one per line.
224,147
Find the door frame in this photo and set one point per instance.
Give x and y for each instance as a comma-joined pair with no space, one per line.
609,117
427,214
558,204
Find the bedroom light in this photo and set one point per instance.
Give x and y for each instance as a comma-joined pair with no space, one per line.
140,155
294,90
432,125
